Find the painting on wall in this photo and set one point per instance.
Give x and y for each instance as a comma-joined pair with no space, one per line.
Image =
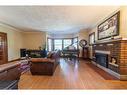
92,38
110,27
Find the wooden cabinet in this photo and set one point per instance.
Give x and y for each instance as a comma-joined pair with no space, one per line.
3,48
85,53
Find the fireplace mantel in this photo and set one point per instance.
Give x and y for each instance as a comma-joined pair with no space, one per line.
102,51
109,41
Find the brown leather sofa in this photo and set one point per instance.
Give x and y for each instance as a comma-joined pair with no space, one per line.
45,66
9,75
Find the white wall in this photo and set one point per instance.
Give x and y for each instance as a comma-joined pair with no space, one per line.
61,35
32,40
14,39
83,34
123,21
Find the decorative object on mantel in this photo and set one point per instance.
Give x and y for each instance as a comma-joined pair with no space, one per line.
109,28
113,60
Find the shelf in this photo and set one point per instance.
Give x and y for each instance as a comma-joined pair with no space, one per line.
107,41
114,64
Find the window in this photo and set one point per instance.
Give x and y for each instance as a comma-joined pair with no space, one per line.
55,43
75,42
91,38
49,44
67,42
58,44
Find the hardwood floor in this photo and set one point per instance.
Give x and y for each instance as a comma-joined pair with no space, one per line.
73,75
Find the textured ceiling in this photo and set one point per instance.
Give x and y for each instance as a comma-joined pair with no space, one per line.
54,19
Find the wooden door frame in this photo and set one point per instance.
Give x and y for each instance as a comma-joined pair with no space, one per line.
5,46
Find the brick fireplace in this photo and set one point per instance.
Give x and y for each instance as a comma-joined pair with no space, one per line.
112,55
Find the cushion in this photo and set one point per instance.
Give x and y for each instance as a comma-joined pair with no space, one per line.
41,60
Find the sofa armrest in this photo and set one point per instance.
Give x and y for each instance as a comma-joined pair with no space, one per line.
10,71
9,76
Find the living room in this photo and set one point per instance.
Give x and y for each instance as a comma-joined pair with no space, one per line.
63,49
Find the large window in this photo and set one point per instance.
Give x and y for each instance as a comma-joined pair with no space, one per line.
67,42
49,45
57,44
75,42
54,43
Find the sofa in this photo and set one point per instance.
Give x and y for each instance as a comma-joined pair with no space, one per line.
9,75
45,66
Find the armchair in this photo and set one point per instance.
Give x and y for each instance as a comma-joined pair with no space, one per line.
45,66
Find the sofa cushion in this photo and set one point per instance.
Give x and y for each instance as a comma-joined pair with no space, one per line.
41,60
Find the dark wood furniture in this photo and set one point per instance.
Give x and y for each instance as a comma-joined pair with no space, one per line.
3,48
70,53
33,53
83,44
9,75
85,53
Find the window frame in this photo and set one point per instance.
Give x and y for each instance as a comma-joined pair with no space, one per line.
66,39
52,45
48,44
77,43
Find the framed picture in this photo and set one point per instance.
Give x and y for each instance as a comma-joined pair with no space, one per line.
92,38
109,28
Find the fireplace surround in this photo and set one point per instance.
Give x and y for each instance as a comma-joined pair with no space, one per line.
116,49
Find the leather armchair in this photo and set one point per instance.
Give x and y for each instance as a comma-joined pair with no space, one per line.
45,66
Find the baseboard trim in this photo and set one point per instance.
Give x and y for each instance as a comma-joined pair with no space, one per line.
14,60
123,77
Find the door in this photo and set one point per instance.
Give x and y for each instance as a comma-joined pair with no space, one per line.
3,48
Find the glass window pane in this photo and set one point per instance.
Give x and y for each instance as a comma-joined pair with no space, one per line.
75,42
57,44
67,42
49,45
